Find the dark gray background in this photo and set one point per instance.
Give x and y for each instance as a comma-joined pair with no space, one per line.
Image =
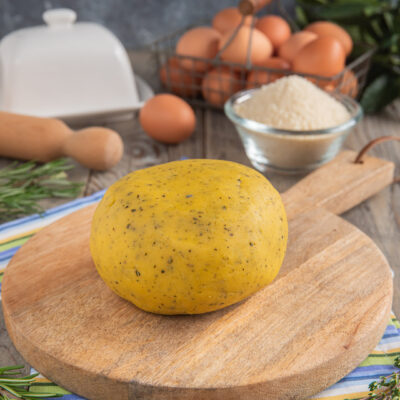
136,23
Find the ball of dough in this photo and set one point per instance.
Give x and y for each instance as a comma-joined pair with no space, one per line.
189,237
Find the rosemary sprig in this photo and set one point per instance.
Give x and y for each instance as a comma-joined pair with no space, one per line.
22,185
13,385
387,388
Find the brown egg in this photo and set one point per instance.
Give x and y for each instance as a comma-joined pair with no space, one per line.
228,19
323,56
220,84
257,78
294,44
275,28
347,84
323,83
330,88
325,28
167,118
237,50
199,42
179,80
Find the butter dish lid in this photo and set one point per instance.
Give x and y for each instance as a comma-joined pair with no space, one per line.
66,69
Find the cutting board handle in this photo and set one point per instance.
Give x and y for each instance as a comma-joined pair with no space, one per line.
339,185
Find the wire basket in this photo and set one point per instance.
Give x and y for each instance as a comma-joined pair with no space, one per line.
230,77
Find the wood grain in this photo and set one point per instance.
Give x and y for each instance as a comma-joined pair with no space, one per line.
339,185
318,320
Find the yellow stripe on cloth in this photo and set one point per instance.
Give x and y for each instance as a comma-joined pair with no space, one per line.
340,397
17,237
381,352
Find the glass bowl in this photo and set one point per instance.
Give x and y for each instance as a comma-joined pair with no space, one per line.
287,151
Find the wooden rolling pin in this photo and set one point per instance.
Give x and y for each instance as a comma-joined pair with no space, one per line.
46,139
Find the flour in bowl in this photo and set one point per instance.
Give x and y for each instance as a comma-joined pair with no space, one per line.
293,103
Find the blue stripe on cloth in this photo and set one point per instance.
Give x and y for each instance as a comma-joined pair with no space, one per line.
369,378
55,210
387,341
391,329
370,370
8,253
390,335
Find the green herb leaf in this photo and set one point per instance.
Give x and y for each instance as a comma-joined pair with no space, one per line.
381,92
301,16
344,11
14,384
22,185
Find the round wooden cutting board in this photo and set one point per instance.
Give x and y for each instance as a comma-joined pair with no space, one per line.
318,320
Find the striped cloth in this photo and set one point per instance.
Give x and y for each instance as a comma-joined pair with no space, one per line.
355,385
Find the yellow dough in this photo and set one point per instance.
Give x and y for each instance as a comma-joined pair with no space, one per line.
189,237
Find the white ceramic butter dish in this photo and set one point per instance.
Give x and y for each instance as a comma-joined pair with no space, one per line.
68,70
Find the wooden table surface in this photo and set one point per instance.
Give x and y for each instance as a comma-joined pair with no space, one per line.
215,137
